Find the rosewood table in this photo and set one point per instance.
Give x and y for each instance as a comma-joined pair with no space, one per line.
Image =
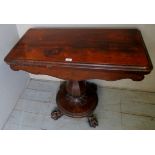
79,54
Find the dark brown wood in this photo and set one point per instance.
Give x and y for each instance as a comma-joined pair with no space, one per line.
93,122
56,114
109,54
74,104
76,88
79,54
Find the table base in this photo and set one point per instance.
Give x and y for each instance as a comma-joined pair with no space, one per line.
77,99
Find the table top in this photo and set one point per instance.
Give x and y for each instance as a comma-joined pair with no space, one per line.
89,48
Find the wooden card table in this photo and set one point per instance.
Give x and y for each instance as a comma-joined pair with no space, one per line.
76,55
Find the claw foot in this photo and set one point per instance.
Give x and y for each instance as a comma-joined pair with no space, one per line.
93,122
56,114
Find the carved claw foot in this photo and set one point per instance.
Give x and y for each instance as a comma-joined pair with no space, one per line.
56,114
93,122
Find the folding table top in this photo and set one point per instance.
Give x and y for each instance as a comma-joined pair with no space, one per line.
82,53
111,49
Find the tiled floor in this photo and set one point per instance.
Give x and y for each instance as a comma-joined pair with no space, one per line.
117,109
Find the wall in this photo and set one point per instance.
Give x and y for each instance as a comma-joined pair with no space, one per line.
11,83
148,32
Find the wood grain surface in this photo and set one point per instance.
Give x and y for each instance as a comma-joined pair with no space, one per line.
92,52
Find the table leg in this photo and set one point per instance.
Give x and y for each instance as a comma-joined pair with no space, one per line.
56,114
93,122
77,99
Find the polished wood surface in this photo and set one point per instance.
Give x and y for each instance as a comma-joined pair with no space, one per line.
108,54
77,55
79,104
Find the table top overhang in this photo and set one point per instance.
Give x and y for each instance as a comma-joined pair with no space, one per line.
93,48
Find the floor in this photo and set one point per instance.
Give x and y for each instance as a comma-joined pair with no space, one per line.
117,109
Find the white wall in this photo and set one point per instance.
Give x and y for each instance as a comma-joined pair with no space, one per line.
148,32
11,83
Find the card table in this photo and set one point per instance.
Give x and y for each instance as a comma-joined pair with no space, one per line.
77,55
